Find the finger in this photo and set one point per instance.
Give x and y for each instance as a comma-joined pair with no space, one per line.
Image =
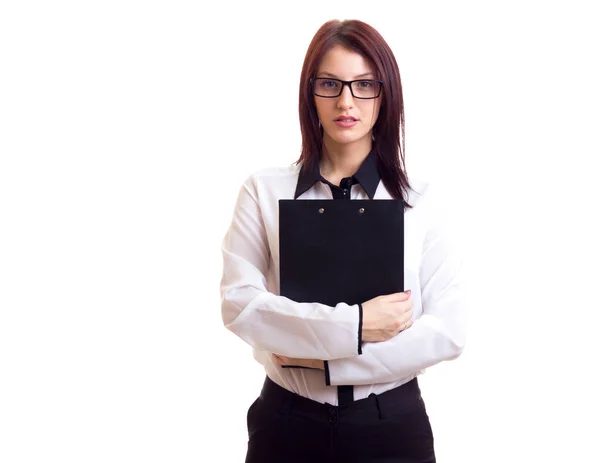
398,297
403,308
405,325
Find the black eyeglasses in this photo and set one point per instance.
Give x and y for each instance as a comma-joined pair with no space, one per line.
364,89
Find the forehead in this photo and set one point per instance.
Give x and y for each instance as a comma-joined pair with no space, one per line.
343,63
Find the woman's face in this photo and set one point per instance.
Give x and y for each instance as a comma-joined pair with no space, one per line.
345,119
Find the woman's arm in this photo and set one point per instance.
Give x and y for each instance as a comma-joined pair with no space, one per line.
267,321
438,334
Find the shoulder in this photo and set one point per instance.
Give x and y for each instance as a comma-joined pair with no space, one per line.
430,200
272,182
420,191
438,211
275,174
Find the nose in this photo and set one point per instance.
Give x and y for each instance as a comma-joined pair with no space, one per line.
345,100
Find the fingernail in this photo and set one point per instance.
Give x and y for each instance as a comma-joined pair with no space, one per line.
407,291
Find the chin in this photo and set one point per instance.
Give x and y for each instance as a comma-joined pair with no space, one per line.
348,138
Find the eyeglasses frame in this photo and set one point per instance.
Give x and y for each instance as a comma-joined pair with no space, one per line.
349,84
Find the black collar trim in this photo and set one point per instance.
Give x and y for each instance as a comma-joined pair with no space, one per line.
367,175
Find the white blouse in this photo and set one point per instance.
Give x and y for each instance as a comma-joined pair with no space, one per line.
253,309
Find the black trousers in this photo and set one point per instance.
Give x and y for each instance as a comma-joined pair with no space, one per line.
284,427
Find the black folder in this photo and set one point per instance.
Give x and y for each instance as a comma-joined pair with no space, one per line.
334,251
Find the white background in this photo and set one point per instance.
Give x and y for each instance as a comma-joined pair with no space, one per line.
126,130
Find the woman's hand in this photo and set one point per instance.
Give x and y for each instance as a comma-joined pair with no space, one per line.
383,318
304,363
386,316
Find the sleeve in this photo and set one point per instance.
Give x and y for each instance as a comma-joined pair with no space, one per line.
271,322
439,334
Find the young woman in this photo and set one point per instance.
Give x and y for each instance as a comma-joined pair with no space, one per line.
341,380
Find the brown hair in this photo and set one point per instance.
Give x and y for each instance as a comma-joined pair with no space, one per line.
388,131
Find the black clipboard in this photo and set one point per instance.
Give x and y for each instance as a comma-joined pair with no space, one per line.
334,251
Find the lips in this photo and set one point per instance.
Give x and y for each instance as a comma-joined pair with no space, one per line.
346,122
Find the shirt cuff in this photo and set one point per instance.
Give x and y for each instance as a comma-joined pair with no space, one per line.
299,366
360,318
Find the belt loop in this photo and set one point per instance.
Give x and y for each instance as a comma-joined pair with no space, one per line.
377,404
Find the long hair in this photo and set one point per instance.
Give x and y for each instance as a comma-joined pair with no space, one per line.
388,131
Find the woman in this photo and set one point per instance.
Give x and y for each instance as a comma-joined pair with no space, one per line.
341,380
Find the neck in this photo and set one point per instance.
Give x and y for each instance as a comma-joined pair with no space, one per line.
340,161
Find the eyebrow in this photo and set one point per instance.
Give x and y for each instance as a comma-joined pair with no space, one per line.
360,76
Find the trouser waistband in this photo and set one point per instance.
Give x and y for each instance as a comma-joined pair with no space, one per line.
389,401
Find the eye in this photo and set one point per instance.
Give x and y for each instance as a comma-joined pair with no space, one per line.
326,83
365,83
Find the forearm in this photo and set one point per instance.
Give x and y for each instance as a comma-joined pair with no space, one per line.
268,321
423,345
277,324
